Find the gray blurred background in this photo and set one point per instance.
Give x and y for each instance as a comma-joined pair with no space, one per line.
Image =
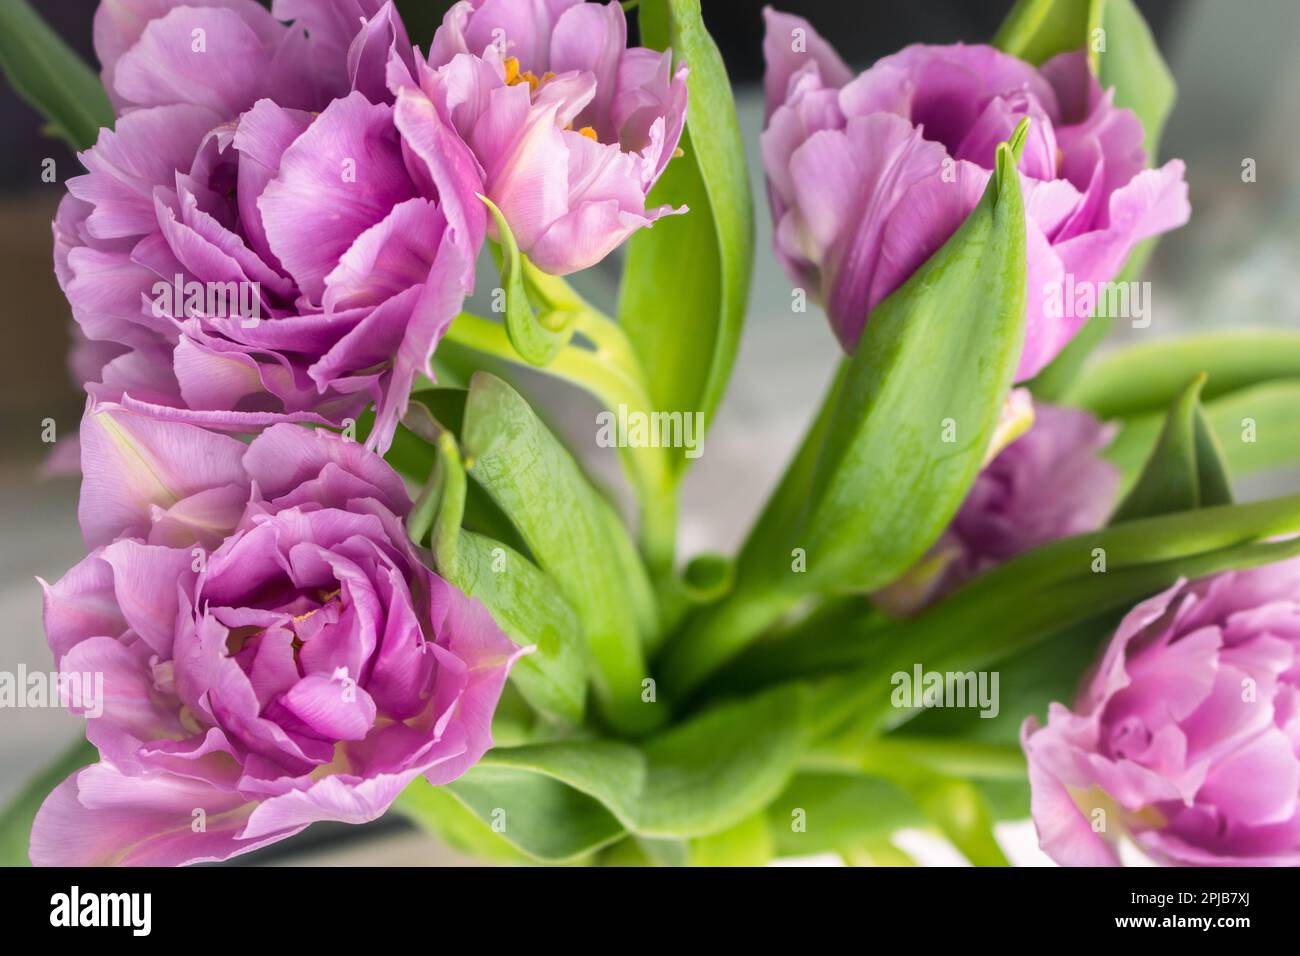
1238,71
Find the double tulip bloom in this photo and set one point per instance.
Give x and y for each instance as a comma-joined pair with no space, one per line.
571,127
318,183
1186,738
274,651
869,175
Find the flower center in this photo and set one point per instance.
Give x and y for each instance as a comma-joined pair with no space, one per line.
514,76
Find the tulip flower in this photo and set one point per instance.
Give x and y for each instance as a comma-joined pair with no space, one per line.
569,127
868,176
252,242
1184,739
273,650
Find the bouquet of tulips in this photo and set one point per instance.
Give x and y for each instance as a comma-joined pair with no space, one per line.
339,564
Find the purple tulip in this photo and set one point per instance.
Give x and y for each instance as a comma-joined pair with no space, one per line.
273,650
1049,483
869,175
569,127
1187,736
253,242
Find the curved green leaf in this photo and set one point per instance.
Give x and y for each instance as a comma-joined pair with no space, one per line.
823,812
569,530
942,349
524,602
563,800
686,281
1146,378
1185,470
542,817
748,843
713,771
49,75
991,620
437,811
1132,65
611,772
1257,429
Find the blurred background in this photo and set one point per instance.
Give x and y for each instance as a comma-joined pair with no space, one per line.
1237,66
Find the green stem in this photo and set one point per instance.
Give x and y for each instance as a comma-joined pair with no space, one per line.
769,582
948,756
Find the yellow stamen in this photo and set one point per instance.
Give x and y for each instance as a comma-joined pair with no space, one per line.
588,132
514,75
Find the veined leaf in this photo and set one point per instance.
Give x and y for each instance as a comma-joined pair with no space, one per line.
437,811
940,351
524,602
570,533
990,620
711,772
560,801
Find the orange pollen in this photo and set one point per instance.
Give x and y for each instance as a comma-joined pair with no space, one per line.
588,132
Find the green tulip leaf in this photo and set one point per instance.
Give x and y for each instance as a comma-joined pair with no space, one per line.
822,812
1148,377
748,843
1186,468
1257,429
49,75
913,415
938,354
1037,30
574,537
720,767
686,280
